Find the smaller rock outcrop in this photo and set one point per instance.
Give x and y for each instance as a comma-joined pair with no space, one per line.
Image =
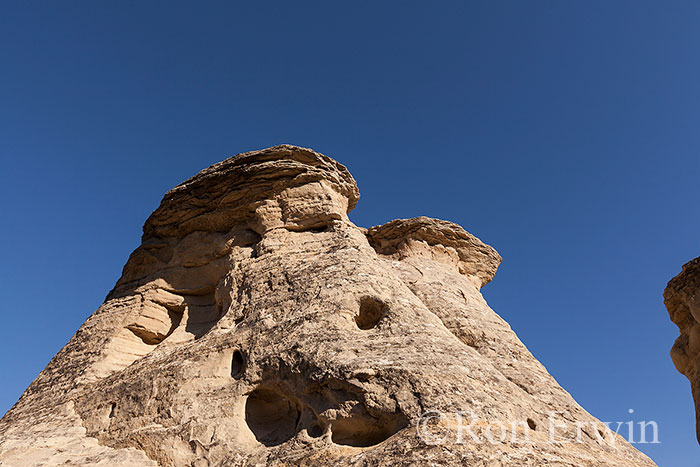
440,240
682,299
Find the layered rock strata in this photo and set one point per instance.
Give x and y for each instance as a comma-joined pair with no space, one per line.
256,324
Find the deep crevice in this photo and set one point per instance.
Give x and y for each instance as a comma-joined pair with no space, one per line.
237,364
309,228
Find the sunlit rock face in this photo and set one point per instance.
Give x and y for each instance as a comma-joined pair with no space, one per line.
682,299
257,325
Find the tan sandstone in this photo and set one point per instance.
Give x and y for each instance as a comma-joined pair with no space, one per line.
682,299
257,325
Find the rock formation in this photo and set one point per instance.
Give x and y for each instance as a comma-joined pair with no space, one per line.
257,325
682,299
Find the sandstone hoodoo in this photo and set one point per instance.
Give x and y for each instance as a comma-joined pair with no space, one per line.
255,324
682,299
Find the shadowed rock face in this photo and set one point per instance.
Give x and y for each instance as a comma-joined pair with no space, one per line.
256,324
682,299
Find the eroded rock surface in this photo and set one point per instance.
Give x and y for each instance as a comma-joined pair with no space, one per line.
682,299
257,325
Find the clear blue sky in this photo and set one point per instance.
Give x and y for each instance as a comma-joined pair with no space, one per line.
565,134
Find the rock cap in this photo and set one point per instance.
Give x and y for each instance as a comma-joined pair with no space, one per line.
230,191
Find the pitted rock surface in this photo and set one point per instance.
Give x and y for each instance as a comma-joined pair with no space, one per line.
682,299
257,325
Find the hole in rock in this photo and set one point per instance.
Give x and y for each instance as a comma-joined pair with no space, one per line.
371,312
237,364
271,416
531,423
112,408
363,431
315,430
247,238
